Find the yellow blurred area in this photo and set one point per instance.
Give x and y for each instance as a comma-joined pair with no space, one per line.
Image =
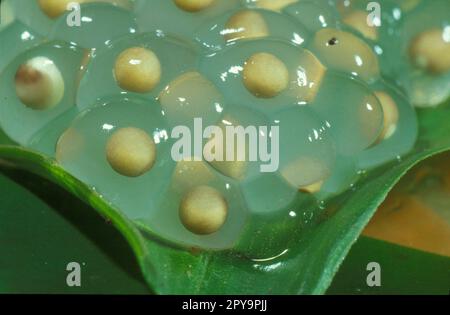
410,217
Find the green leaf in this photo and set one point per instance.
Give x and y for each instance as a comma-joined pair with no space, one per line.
403,270
307,267
43,228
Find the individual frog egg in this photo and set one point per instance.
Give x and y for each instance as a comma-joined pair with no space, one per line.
200,208
239,144
400,129
430,50
247,24
137,69
131,151
121,148
36,87
193,5
306,150
203,210
191,96
39,83
260,74
310,74
55,8
264,75
345,52
23,39
139,64
313,15
357,19
352,112
93,28
186,16
425,73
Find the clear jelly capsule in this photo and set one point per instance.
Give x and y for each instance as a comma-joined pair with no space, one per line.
351,111
191,95
95,29
122,149
314,16
306,150
17,33
240,144
345,52
30,14
36,87
200,208
265,75
343,176
177,17
425,73
400,128
140,64
249,24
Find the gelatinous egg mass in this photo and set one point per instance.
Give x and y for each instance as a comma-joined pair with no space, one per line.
346,52
39,83
220,124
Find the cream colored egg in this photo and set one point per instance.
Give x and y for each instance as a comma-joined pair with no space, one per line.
304,172
309,76
313,188
274,5
203,210
131,151
39,84
55,8
193,5
189,96
191,171
245,24
390,113
231,161
358,20
430,50
70,146
265,75
345,52
137,69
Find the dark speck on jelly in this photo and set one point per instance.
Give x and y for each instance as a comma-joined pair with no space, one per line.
333,41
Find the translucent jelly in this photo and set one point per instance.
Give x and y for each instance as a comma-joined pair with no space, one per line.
168,18
174,56
19,120
100,24
16,33
81,149
249,24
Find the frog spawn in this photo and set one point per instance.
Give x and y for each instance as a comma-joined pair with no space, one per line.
300,89
424,74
